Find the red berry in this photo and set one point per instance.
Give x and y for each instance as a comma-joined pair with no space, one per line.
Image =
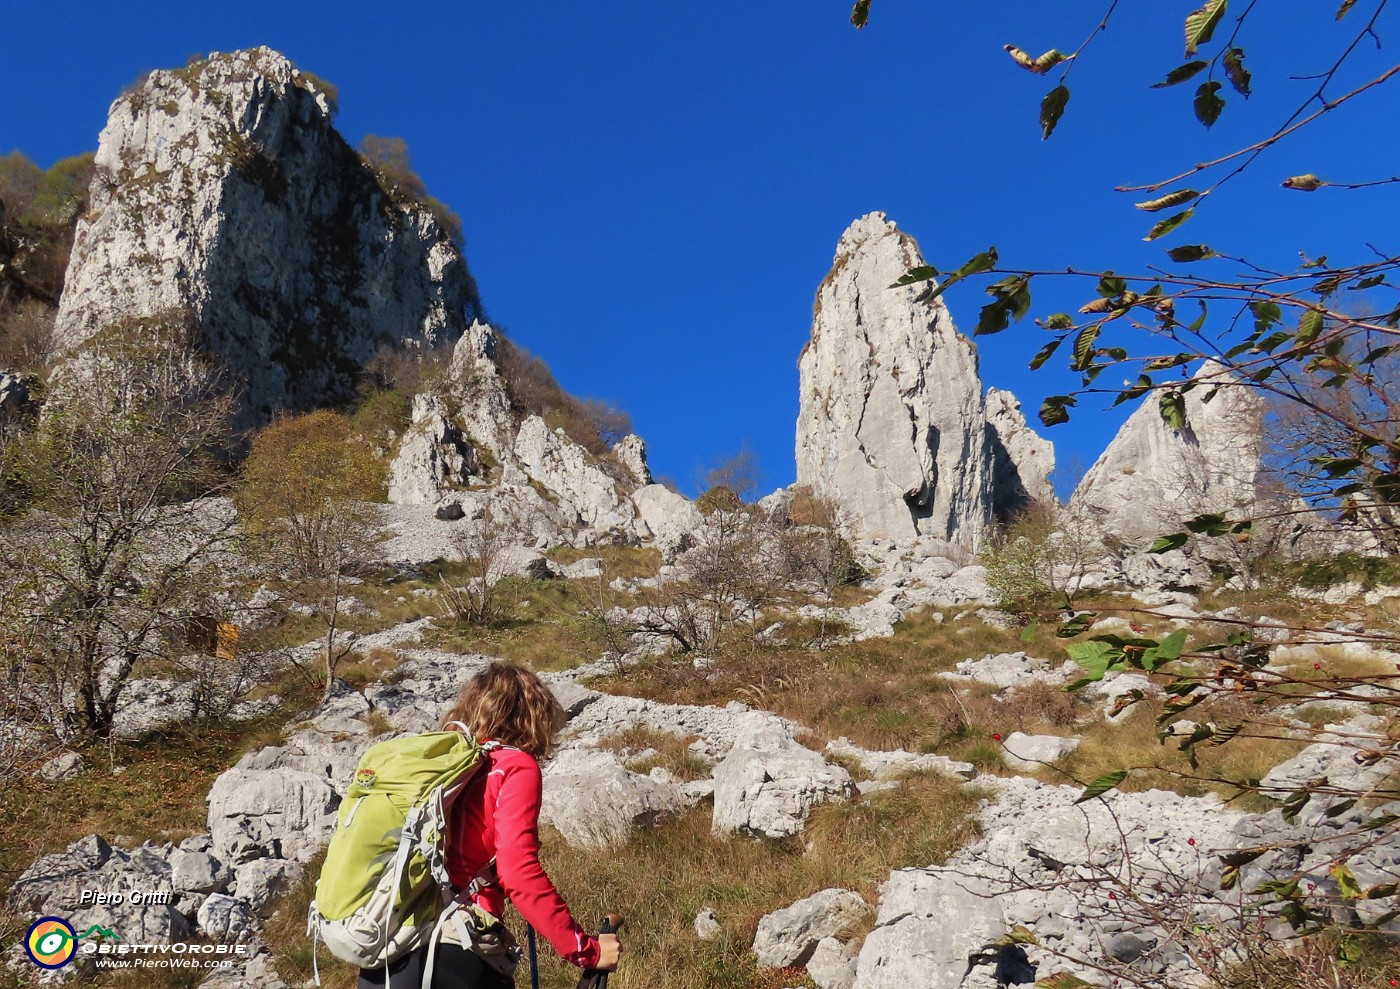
1190,841
1317,666
1113,896
996,736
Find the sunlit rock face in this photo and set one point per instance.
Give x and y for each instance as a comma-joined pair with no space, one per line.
1153,477
226,204
893,423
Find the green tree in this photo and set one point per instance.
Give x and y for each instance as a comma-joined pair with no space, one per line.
306,497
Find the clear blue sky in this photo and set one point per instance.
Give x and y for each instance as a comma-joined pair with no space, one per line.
651,192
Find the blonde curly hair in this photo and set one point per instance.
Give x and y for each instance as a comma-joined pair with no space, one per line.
509,704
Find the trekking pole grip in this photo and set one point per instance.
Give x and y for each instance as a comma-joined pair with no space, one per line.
592,978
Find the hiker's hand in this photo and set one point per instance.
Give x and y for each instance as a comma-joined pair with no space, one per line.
609,951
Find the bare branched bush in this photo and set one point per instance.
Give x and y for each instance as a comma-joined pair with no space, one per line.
722,585
738,473
483,544
110,549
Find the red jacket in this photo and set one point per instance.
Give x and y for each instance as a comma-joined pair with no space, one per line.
499,814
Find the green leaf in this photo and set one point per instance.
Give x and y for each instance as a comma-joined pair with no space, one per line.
1011,301
1266,314
860,13
1164,227
1190,252
1208,103
1084,347
1045,353
1237,73
1210,525
1052,108
1172,406
1059,321
1020,934
1180,74
1295,802
1170,648
1094,657
1052,410
916,275
1222,735
1371,282
1165,544
1242,856
1111,286
1201,24
1076,625
979,263
1309,327
1346,882
1100,786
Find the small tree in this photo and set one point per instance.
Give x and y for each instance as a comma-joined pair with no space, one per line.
482,544
1037,561
305,498
739,473
109,550
722,584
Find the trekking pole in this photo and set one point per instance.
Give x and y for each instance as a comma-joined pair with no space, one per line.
592,978
534,958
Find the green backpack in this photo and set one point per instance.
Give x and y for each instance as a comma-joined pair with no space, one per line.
384,882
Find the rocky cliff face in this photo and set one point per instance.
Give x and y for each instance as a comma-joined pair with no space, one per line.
468,444
225,201
1022,460
893,423
1153,477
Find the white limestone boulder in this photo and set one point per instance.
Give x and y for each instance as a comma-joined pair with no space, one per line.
768,783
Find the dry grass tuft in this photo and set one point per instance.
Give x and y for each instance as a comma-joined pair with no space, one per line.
669,752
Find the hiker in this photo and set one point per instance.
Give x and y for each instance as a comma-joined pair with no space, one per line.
497,815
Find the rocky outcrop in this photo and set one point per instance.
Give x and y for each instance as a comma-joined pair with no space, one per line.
1022,460
434,457
594,801
536,475
768,783
227,205
571,475
631,453
789,936
1153,477
893,424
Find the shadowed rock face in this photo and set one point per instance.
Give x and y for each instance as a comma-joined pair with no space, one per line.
893,423
225,201
1022,460
1153,477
